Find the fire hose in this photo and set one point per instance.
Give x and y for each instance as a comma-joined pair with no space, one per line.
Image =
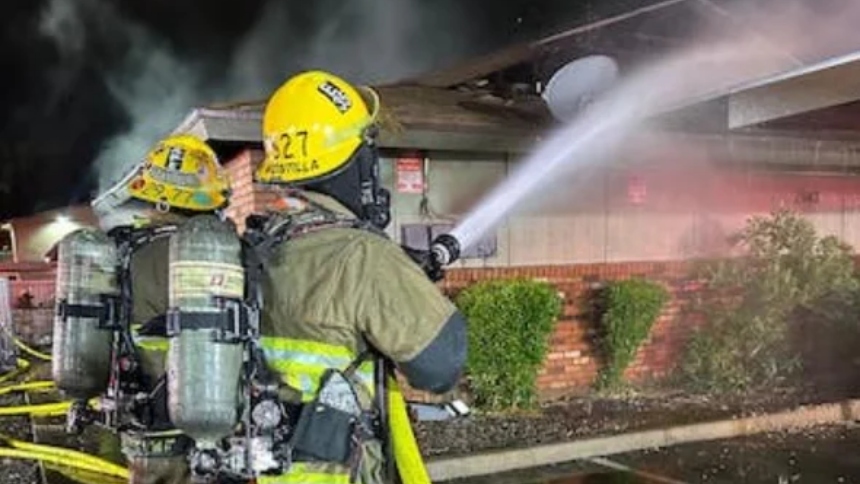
30,351
35,386
74,464
63,458
23,366
407,455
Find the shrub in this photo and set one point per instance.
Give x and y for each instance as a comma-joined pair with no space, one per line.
509,327
630,308
748,310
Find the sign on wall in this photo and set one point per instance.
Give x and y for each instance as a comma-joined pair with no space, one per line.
410,175
636,190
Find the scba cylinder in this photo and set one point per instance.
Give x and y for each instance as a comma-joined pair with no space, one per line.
204,363
81,352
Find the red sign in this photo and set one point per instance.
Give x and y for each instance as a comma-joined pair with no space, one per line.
410,175
636,190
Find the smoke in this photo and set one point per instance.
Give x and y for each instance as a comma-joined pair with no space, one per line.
366,41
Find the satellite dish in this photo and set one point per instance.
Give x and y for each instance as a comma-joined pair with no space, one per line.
577,84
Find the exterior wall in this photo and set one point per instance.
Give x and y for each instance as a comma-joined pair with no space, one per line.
34,326
573,360
34,236
688,208
602,226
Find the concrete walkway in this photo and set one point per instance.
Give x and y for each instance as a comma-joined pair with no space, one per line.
511,460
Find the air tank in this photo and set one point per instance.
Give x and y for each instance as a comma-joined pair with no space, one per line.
204,367
81,351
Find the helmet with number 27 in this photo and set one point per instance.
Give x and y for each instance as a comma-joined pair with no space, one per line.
312,126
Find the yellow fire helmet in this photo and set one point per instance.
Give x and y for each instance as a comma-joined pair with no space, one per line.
312,125
180,172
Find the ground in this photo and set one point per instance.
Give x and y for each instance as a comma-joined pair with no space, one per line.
563,421
826,454
593,416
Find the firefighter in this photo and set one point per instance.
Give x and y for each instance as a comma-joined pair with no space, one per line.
179,178
335,288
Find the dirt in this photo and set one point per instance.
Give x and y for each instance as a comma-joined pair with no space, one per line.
590,416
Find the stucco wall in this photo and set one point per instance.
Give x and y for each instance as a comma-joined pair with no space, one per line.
690,205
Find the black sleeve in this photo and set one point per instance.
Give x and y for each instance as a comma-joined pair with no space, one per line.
440,365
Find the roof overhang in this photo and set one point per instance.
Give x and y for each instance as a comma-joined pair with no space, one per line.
823,85
244,127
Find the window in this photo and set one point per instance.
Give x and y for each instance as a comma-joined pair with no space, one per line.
5,245
419,236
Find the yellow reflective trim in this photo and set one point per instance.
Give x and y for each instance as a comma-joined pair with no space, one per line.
301,473
154,344
302,363
306,377
149,343
306,346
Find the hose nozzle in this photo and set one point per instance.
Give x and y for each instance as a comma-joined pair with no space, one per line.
445,249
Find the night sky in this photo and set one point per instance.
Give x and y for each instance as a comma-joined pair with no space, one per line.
79,73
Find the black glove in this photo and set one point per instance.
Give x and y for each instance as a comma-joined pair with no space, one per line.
428,263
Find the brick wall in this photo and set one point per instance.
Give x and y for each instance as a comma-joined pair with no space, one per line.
573,360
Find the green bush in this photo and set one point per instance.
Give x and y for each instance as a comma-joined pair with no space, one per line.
629,310
749,308
509,327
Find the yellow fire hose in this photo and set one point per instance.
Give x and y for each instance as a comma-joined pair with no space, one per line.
30,351
62,460
35,386
104,466
410,464
84,476
39,410
23,366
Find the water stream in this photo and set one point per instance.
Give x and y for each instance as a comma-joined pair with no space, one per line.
706,71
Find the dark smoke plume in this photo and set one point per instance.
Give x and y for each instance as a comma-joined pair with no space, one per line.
156,86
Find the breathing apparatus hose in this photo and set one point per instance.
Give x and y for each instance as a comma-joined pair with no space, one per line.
30,351
407,455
